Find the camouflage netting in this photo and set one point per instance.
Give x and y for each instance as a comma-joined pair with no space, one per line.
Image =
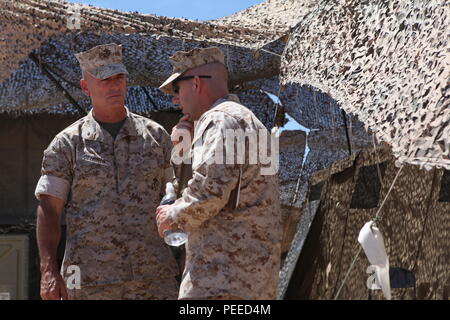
280,15
146,58
386,62
25,24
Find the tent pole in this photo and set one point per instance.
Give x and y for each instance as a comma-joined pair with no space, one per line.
45,70
149,97
344,118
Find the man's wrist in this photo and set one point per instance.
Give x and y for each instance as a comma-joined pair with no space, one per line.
172,217
49,267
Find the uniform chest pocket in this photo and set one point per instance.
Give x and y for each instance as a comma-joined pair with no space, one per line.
93,153
146,167
93,166
149,170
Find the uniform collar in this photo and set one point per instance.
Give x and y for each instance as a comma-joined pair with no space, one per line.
228,97
93,131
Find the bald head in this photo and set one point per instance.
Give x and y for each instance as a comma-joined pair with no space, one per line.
218,84
196,95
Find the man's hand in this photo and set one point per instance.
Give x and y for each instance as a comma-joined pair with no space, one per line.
184,127
162,219
53,286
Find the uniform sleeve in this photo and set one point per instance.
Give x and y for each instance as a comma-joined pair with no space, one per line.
56,172
212,181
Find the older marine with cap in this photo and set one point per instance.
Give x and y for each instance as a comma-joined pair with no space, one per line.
231,210
107,171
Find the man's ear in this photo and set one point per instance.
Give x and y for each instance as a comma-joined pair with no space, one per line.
83,85
197,84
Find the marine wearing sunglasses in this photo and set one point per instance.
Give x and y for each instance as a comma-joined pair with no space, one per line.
175,86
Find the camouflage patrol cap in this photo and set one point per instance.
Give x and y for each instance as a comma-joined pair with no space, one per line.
182,61
102,61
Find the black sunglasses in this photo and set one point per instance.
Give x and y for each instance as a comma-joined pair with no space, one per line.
174,83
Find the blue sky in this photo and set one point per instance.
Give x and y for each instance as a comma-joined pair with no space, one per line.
192,9
291,124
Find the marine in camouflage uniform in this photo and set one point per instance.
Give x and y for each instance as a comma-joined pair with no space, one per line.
111,188
231,211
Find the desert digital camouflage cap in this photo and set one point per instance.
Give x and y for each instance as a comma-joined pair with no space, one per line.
102,61
184,60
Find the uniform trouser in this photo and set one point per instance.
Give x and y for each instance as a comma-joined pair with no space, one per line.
131,290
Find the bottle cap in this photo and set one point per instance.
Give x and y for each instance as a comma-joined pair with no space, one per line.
170,190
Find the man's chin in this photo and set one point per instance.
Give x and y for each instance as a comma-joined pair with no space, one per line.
116,102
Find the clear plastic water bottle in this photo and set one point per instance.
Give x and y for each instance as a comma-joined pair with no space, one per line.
178,237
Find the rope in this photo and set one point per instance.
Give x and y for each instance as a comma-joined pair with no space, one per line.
348,272
270,52
378,160
375,219
275,116
279,82
377,216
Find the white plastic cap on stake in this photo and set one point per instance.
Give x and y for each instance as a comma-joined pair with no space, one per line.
372,242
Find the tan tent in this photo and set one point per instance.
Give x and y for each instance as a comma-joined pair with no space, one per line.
414,222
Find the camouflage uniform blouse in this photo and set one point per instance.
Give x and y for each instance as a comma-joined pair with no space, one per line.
230,250
112,189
